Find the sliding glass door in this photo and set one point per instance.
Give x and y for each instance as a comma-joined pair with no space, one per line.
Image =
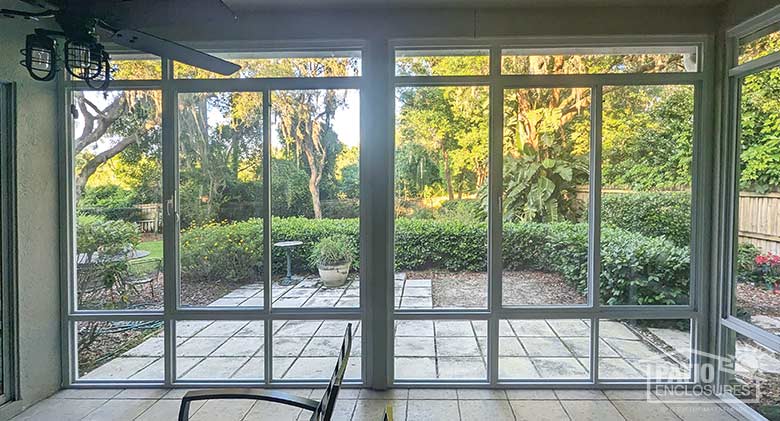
217,223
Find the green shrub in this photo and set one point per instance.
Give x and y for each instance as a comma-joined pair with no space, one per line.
107,196
223,251
635,269
746,262
452,245
643,270
340,208
653,214
464,210
235,251
98,235
110,201
331,250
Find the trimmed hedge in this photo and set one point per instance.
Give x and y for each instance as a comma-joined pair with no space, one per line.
235,251
653,214
635,269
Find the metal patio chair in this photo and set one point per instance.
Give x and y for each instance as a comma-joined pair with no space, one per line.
321,411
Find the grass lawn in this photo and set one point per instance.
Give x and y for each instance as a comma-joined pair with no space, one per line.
155,249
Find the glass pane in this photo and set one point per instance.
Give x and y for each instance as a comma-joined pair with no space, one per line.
136,69
751,371
760,44
645,349
442,62
440,349
120,350
546,170
647,154
441,167
221,199
309,349
220,350
118,194
757,289
544,349
315,192
290,64
594,60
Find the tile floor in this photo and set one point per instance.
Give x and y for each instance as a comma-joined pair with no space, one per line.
367,405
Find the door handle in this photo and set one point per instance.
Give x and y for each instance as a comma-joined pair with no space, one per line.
170,207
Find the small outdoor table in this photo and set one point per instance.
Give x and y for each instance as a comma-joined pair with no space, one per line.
288,246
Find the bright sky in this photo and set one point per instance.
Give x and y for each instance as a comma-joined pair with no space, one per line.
346,122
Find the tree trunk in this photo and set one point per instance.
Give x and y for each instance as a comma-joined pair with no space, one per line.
314,189
447,173
93,164
235,149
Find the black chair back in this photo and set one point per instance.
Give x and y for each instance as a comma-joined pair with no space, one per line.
324,410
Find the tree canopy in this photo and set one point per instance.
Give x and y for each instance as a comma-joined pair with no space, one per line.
441,137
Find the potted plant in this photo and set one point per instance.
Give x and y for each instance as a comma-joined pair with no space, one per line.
333,257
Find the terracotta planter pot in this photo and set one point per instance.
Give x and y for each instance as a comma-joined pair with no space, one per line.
333,276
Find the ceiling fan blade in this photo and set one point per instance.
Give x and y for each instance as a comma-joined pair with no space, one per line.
142,41
43,4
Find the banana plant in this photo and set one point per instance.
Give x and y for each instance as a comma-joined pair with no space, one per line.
539,188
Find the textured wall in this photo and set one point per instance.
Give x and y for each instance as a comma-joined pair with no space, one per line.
39,316
738,11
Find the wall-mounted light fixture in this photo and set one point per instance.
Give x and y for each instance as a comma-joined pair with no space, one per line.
40,57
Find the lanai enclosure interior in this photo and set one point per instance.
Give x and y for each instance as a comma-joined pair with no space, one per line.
565,194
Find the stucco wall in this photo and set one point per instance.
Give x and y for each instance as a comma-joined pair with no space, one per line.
37,210
738,11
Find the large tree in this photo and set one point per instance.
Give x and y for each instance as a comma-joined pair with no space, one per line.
111,123
107,130
530,112
305,119
451,125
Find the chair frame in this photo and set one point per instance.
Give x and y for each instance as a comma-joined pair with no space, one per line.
321,410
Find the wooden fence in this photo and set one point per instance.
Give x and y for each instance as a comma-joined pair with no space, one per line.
150,217
759,220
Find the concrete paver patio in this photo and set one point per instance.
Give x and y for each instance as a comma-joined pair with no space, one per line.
424,349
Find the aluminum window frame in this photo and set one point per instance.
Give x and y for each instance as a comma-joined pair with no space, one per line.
8,235
695,310
729,173
377,84
173,311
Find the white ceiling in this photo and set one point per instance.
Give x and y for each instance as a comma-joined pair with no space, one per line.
257,5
